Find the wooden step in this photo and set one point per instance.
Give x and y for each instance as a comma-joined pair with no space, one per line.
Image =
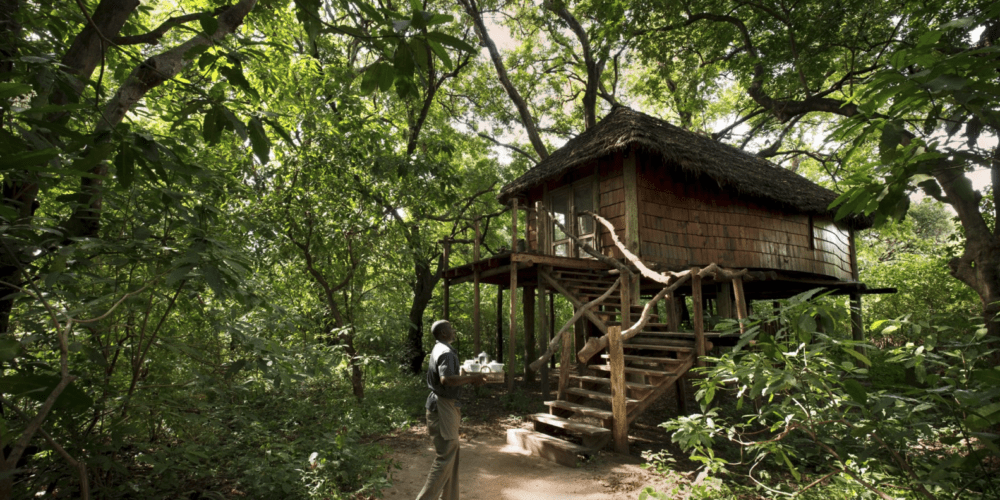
607,381
630,369
592,436
600,396
551,448
618,305
650,359
680,344
642,338
657,347
655,329
583,410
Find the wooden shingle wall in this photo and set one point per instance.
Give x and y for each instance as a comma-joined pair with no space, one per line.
683,224
611,201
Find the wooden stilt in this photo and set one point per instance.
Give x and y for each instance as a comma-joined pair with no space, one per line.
476,318
511,348
673,316
565,357
674,325
681,396
626,311
741,303
616,359
500,355
724,301
552,323
529,333
544,336
698,316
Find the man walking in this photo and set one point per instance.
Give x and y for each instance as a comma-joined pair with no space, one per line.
443,413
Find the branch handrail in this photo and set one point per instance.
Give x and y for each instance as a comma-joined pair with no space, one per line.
671,280
554,343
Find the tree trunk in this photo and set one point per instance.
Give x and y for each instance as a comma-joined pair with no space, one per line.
423,291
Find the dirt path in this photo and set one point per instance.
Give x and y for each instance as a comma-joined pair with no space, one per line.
489,469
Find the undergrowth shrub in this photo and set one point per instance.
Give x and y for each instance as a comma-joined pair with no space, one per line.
814,416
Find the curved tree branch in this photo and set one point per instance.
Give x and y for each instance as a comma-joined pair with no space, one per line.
522,106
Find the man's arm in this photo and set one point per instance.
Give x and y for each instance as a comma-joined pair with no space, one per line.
456,380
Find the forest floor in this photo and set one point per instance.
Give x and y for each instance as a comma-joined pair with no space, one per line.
489,469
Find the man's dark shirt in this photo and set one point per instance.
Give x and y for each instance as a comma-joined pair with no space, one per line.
443,363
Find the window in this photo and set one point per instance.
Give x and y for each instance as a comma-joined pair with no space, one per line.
567,207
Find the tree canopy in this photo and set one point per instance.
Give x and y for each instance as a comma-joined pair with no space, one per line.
205,203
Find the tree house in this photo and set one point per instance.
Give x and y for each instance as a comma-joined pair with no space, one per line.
668,214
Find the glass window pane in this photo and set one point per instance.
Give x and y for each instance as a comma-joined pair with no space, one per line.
583,198
560,211
562,250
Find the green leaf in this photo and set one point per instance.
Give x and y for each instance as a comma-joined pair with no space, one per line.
420,52
948,82
370,11
929,38
439,19
209,24
403,61
259,141
38,386
369,82
278,129
181,273
856,354
806,323
856,391
450,41
211,129
9,348
8,90
892,135
125,165
791,468
441,53
12,161
384,75
234,123
234,73
93,156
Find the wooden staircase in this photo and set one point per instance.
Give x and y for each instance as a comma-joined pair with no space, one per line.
581,420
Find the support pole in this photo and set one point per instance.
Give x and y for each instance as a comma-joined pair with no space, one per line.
544,336
616,359
698,317
673,316
565,356
476,319
529,333
511,349
741,304
552,321
626,310
499,324
724,301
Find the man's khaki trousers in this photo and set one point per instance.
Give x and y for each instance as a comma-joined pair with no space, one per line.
443,427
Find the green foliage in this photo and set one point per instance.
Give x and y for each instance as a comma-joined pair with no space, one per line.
807,405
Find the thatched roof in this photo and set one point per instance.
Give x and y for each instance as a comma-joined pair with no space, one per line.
735,171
